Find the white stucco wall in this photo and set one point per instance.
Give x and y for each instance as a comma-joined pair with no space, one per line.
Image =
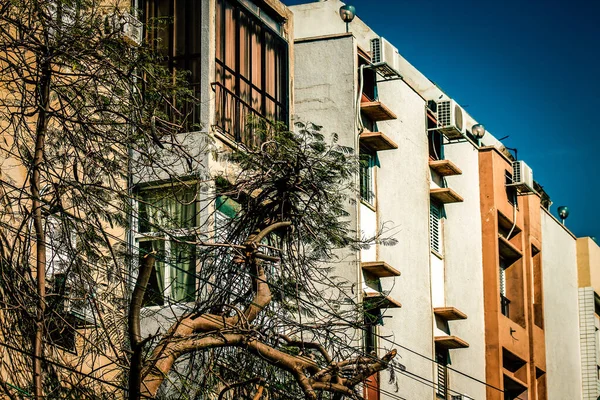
559,270
464,273
403,181
368,229
403,205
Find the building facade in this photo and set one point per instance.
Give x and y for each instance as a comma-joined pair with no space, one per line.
588,267
484,294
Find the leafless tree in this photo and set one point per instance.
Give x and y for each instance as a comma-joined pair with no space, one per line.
129,266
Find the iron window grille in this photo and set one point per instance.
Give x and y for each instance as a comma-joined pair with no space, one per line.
251,73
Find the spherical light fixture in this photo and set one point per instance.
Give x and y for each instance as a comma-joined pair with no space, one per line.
563,213
478,130
347,13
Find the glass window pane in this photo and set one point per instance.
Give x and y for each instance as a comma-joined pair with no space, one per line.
183,271
154,295
163,209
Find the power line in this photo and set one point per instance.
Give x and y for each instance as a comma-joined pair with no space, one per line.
345,345
351,323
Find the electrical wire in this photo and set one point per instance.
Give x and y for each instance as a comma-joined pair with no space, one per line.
351,323
344,345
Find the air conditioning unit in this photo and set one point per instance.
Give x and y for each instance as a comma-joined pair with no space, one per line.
450,119
384,58
128,26
522,177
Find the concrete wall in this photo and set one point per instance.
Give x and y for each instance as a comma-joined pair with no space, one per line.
464,274
324,93
588,263
403,205
559,264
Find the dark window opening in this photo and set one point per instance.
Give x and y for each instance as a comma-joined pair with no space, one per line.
441,358
60,325
61,332
369,82
511,191
251,73
436,145
504,301
505,306
372,319
367,184
177,33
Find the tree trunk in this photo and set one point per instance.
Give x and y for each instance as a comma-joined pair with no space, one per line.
40,237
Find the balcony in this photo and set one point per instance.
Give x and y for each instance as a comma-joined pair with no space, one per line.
508,251
376,111
450,342
377,141
445,196
444,168
449,313
239,121
374,299
379,269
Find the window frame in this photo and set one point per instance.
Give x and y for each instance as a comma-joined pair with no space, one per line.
367,177
436,236
504,301
188,58
170,238
511,191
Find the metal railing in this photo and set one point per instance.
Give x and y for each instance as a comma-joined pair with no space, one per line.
239,120
505,306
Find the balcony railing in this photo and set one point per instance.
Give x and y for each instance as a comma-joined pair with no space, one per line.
504,306
238,120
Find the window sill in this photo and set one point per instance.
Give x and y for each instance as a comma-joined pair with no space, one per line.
438,255
174,306
368,205
225,139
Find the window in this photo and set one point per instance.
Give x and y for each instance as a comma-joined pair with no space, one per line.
367,167
372,319
166,222
251,70
60,245
179,33
435,228
511,191
441,358
68,292
369,80
436,145
504,301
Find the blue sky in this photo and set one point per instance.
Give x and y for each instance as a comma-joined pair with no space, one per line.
528,70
